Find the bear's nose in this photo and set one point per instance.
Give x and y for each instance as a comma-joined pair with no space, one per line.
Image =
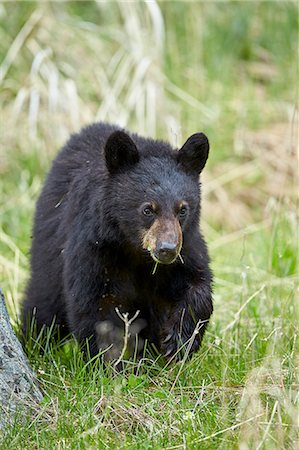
166,252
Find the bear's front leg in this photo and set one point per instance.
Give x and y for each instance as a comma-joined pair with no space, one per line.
183,324
90,310
95,311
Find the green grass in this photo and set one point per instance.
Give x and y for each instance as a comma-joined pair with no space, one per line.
166,70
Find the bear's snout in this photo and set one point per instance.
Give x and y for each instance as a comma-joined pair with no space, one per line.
164,240
167,252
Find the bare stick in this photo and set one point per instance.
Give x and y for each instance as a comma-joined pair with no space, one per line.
128,322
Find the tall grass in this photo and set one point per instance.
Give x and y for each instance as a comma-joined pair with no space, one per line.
166,70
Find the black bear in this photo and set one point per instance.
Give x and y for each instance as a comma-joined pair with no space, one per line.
117,231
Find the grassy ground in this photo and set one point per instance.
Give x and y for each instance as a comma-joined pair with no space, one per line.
166,70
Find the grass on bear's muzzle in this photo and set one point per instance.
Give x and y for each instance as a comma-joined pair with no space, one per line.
157,262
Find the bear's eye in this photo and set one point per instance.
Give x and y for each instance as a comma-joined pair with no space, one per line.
183,211
147,211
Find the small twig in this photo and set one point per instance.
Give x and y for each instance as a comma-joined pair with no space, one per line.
128,322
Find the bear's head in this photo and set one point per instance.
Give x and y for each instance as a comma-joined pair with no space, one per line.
154,195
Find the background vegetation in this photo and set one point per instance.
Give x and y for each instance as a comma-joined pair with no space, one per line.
166,69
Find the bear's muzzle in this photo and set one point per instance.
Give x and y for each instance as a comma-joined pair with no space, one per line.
164,240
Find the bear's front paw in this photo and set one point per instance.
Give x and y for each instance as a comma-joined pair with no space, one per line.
169,345
109,340
174,342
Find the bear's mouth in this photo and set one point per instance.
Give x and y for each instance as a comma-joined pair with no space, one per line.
164,260
167,260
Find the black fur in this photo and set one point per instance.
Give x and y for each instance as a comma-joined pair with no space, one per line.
194,153
87,256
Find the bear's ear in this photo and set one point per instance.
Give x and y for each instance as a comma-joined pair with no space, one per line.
120,152
194,153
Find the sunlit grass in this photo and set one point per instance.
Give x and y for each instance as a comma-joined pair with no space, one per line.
166,70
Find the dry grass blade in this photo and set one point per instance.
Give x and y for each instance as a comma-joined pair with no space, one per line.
19,42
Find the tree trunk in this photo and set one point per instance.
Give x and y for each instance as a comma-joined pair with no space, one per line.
18,389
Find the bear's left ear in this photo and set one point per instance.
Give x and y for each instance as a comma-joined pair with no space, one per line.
194,153
120,152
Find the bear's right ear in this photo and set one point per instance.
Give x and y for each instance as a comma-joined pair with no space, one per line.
120,152
194,153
